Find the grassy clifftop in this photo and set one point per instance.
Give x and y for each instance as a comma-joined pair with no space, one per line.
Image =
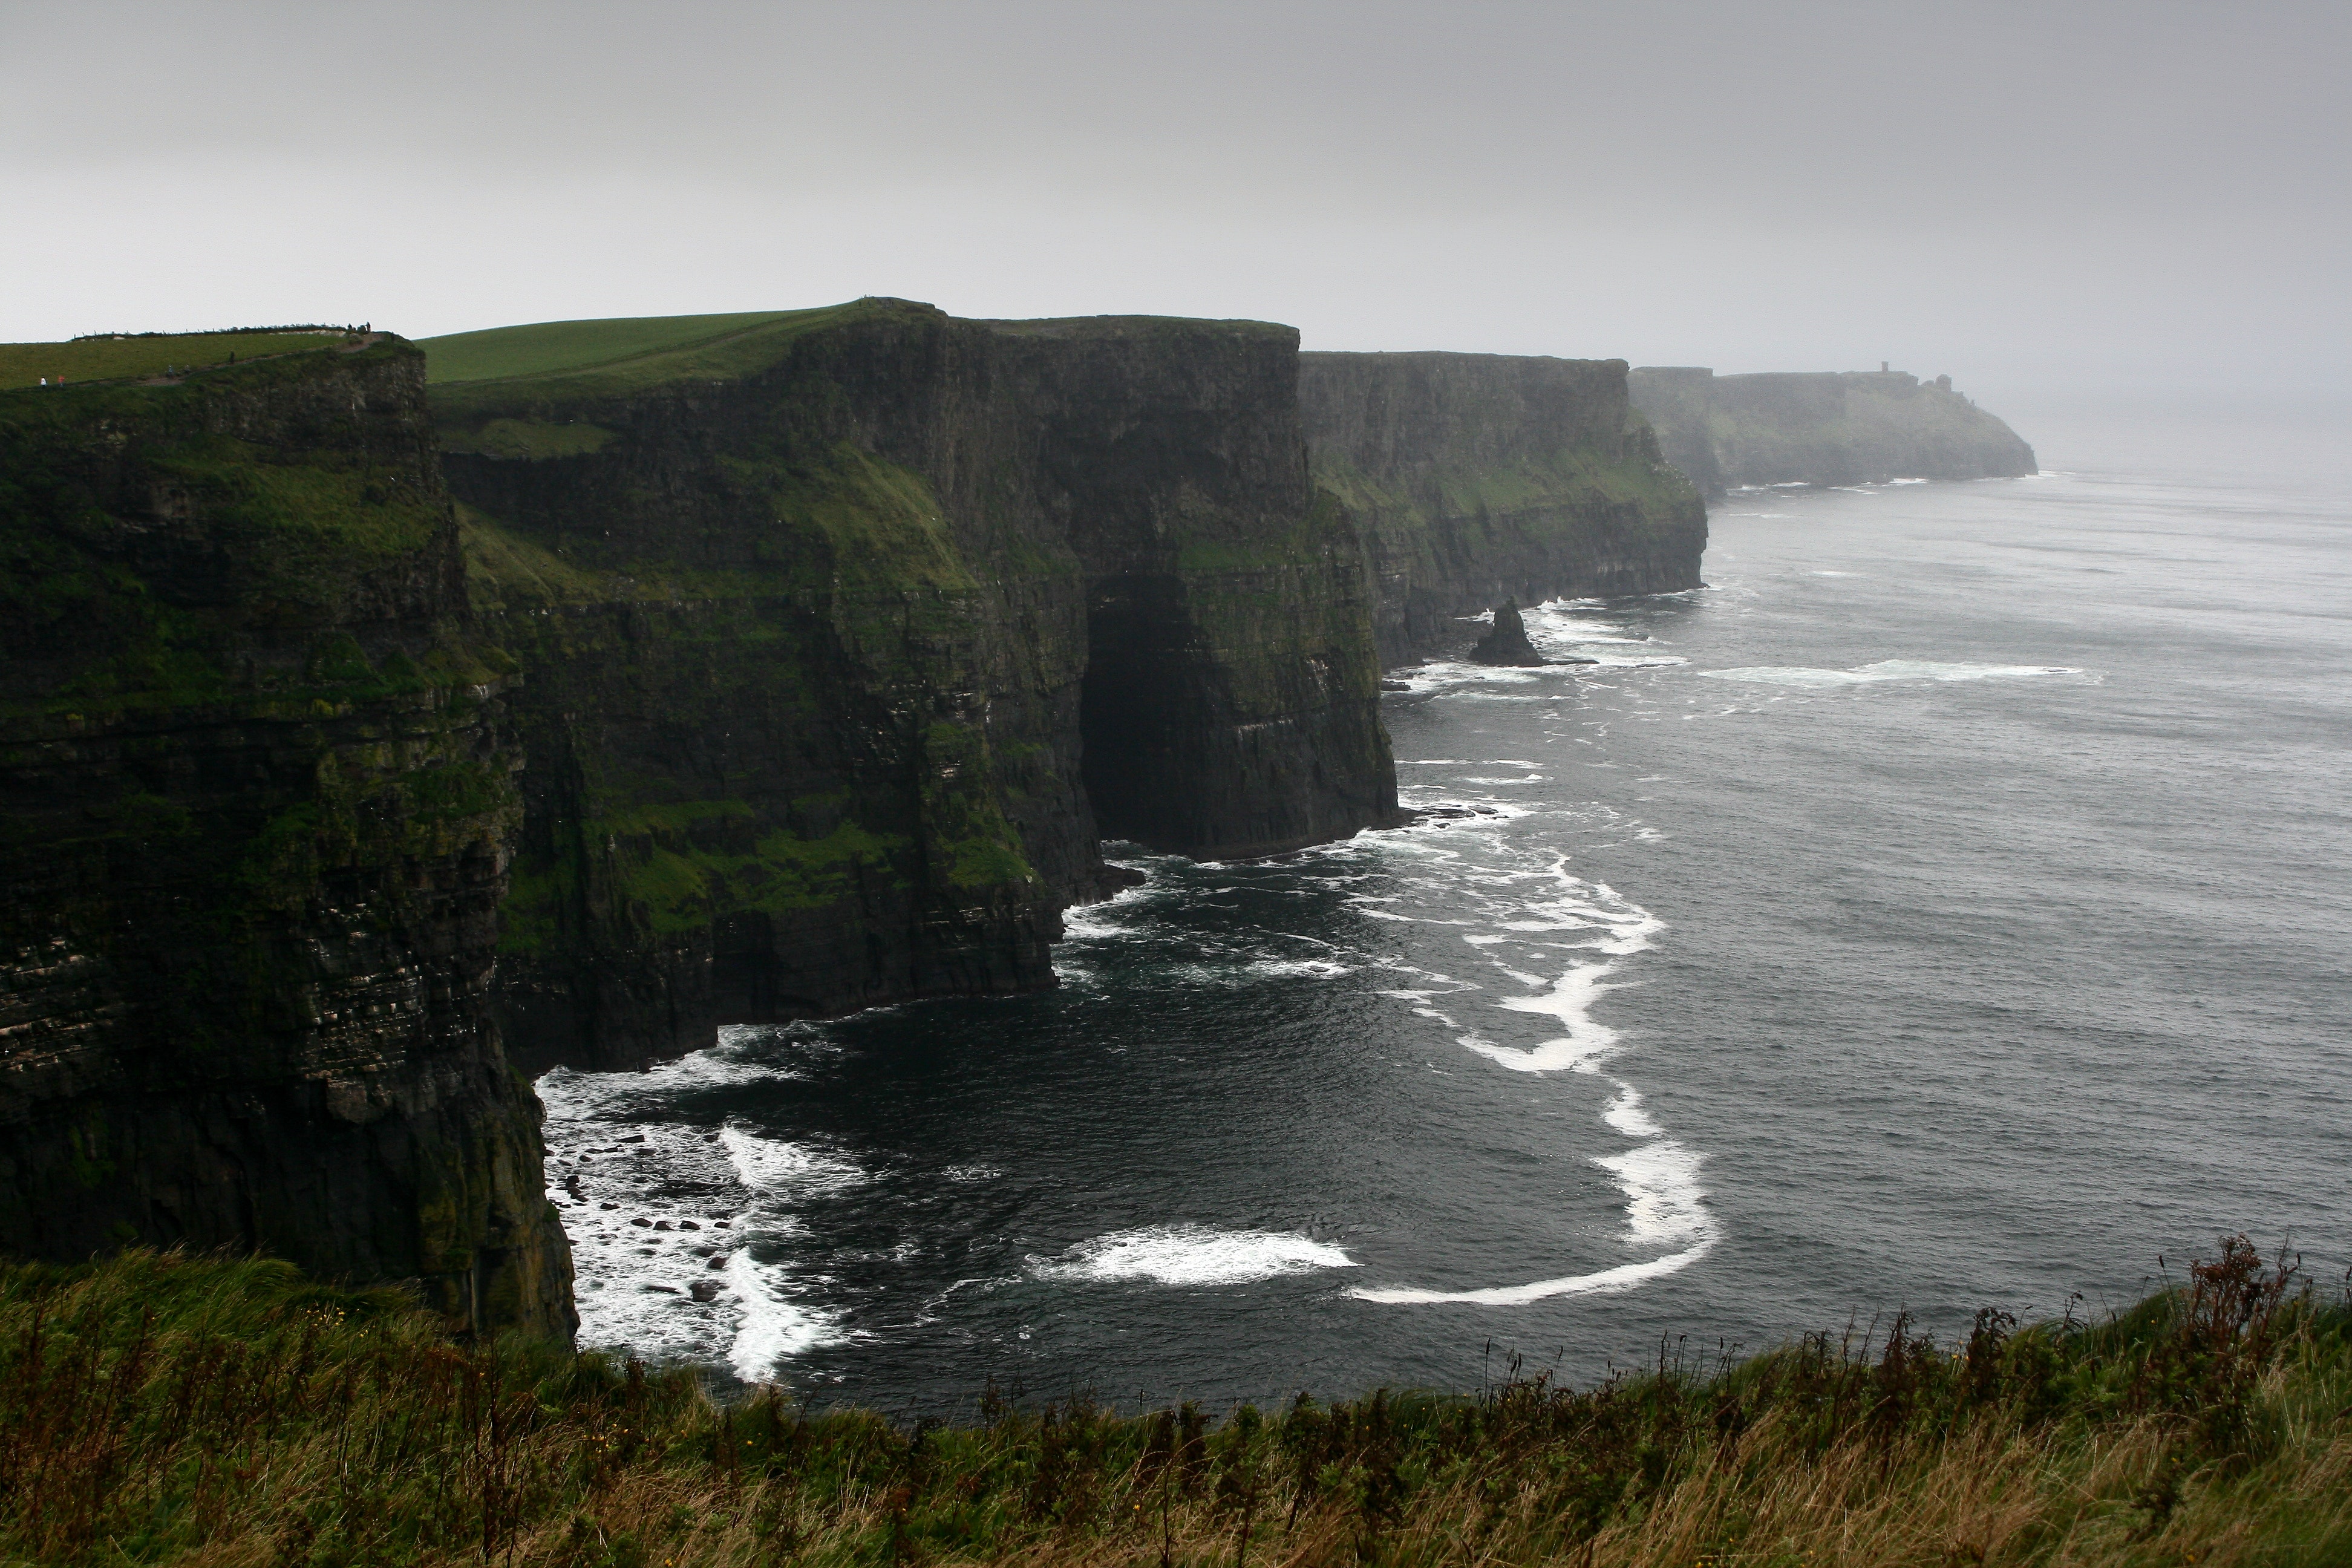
155,1409
117,357
570,362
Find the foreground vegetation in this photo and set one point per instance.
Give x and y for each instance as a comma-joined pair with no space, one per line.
155,1408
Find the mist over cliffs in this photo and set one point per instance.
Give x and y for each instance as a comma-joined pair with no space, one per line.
365,742
1821,428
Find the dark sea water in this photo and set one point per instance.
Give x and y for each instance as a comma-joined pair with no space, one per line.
1948,906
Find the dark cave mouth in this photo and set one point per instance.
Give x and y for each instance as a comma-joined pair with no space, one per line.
1141,713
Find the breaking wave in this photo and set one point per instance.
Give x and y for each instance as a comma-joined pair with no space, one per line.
1190,1255
1887,670
669,1221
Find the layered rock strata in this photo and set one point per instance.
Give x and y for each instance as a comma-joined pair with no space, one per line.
256,797
845,636
1478,478
1823,428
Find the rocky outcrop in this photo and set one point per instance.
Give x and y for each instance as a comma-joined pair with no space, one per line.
256,782
847,634
1478,478
1506,645
1823,428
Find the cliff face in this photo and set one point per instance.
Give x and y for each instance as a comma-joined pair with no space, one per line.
1823,428
844,635
254,778
1478,478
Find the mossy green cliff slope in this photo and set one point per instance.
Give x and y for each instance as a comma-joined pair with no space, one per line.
1477,478
1822,428
846,634
255,802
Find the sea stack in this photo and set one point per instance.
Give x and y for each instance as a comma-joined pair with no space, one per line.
1508,643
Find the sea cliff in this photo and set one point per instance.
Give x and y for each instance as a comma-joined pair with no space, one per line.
1823,428
847,634
256,777
1478,478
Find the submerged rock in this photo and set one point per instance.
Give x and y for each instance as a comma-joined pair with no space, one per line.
1508,643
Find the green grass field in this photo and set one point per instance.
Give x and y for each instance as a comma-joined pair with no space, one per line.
477,375
110,359
157,1409
552,348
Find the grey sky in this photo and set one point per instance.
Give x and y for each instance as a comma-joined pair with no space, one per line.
2041,199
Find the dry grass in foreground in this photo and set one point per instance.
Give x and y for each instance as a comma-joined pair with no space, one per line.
156,1408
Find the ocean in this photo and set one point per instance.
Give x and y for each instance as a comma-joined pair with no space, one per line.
1946,907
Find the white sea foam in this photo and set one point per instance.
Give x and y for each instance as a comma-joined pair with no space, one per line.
1190,1255
1886,670
776,1168
1664,1204
1624,1276
1626,1115
1100,921
1528,912
1461,679
770,1325
1569,999
1558,629
572,1094
1313,968
657,1210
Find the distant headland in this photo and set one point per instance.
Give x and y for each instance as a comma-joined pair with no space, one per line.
1821,428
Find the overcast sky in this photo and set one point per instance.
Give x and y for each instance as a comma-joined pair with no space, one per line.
2039,199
